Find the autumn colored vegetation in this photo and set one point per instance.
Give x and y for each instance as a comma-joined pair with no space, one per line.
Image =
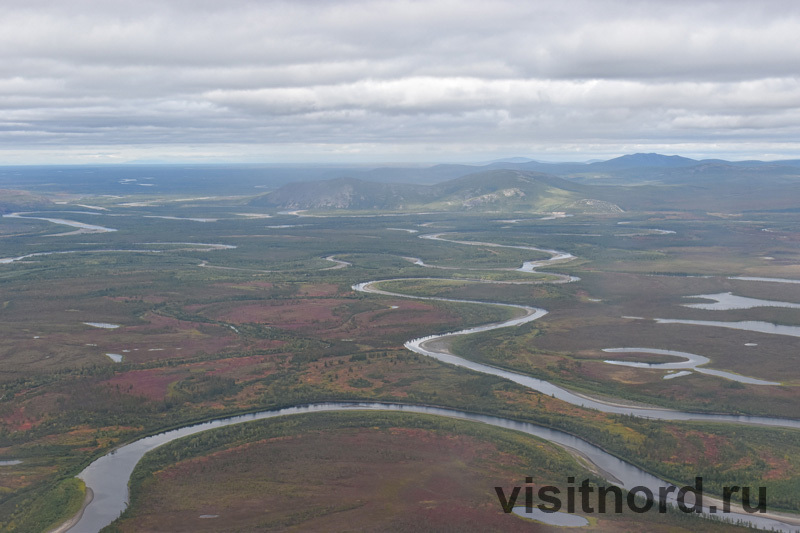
207,332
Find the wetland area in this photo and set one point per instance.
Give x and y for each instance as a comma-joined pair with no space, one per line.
399,266
212,338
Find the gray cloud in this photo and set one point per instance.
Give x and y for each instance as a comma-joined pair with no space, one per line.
396,78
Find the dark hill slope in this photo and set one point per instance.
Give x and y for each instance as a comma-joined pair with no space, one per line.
494,190
12,200
343,193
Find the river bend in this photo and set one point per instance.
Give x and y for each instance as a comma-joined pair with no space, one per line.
108,476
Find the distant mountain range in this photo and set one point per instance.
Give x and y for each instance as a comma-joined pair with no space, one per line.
631,182
493,190
625,170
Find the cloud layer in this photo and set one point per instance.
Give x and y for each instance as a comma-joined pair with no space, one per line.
442,79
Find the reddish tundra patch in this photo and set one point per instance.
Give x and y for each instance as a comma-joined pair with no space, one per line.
398,317
151,299
247,285
154,383
288,314
696,447
18,420
416,480
240,367
166,337
780,467
151,383
406,312
318,290
335,318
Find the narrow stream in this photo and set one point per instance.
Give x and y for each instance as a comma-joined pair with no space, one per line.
692,361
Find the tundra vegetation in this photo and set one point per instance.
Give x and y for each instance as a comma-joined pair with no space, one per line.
266,321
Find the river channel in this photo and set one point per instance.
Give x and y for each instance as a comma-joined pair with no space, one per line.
108,476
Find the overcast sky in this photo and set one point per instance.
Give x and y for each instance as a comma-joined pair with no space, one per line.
269,81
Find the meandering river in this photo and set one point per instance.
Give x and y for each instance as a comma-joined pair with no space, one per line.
435,346
107,477
82,227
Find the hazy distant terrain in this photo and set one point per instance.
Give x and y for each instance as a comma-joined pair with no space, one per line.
640,181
